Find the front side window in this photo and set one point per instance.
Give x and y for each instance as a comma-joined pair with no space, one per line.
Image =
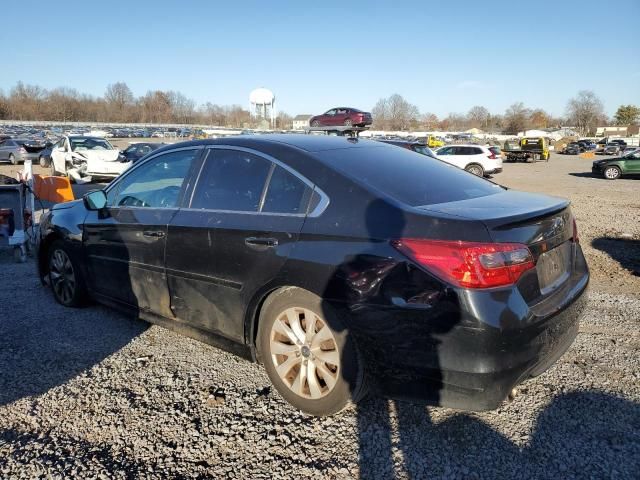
331,112
231,180
286,193
155,184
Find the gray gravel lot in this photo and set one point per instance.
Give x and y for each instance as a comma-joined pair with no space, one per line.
90,393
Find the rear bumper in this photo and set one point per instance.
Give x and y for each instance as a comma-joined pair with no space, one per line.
474,348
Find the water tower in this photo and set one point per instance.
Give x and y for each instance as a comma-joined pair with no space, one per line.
263,106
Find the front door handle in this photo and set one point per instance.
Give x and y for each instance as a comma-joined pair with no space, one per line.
153,234
260,243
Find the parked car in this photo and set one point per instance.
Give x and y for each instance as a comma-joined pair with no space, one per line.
17,150
475,159
136,151
587,145
339,264
413,146
572,148
612,149
342,116
82,158
613,168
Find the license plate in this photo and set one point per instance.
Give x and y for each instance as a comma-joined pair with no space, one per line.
553,267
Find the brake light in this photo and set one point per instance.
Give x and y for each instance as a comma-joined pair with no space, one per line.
492,156
469,264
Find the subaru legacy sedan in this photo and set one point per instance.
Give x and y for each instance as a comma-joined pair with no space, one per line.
344,266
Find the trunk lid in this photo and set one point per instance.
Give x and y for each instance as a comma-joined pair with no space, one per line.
542,222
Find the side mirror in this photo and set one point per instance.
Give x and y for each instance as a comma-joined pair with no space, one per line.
95,200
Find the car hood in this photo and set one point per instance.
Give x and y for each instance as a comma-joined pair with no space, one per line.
101,155
66,205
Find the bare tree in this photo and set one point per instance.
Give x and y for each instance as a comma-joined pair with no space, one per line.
429,121
119,98
516,118
585,111
478,117
395,113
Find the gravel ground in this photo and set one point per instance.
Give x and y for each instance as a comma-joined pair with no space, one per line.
90,393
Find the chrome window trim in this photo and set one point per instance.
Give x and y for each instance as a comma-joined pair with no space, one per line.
317,211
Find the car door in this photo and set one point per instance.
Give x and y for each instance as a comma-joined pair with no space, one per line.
341,116
632,163
329,118
4,149
58,155
125,243
244,218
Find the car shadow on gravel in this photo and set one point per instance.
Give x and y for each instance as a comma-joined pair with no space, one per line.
624,251
572,437
40,455
43,344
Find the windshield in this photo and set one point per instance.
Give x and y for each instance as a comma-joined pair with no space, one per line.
409,178
80,144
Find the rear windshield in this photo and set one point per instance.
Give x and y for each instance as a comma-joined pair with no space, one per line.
407,176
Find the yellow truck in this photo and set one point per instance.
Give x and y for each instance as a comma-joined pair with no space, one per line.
434,142
528,149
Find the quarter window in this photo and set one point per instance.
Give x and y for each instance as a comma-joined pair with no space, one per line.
155,184
286,193
231,180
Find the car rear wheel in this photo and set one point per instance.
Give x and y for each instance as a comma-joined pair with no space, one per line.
65,277
12,159
611,173
43,161
315,123
348,122
475,169
308,353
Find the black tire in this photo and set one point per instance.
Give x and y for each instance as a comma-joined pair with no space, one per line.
315,123
612,173
65,276
348,122
12,159
54,172
349,385
475,168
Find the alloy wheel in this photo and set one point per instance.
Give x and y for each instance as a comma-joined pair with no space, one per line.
612,173
63,278
305,353
475,170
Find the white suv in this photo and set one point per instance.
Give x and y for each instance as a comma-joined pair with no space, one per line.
474,159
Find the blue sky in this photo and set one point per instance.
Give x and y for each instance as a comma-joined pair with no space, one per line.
441,56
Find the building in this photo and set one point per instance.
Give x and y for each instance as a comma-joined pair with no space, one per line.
611,132
300,122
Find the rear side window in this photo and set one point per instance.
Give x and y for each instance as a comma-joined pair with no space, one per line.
231,180
286,193
409,178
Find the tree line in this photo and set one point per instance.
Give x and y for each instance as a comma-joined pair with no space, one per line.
118,105
584,112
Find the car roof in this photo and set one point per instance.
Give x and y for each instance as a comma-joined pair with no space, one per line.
308,143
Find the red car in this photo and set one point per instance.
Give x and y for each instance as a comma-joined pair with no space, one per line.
342,116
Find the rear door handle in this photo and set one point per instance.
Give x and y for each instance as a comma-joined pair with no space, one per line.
260,243
153,234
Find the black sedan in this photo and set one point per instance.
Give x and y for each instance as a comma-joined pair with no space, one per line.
136,151
342,265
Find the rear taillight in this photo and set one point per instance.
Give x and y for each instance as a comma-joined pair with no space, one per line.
492,156
576,238
469,264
